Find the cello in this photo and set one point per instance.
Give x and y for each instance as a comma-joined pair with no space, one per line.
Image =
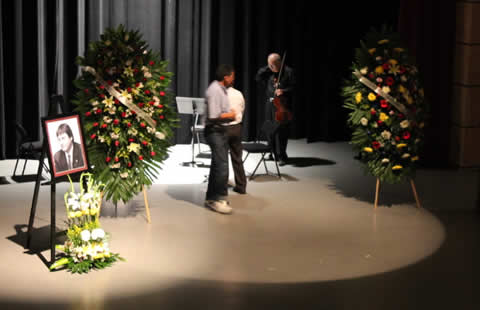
282,114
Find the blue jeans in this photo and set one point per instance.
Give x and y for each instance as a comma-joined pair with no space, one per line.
218,178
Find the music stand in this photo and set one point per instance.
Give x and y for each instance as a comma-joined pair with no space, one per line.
195,107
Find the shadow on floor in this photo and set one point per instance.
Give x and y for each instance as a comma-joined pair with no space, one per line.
302,162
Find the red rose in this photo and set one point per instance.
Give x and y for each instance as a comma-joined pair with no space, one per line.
129,164
86,90
101,96
124,114
371,75
93,136
108,159
162,117
137,85
386,66
373,112
151,103
140,157
142,125
152,153
98,111
133,112
129,89
101,87
104,125
88,113
162,77
129,124
116,101
140,104
131,140
162,93
376,145
147,92
151,63
116,121
406,135
389,81
379,122
384,103
117,143
397,138
160,106
95,124
117,159
144,142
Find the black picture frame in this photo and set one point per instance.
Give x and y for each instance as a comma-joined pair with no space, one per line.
60,131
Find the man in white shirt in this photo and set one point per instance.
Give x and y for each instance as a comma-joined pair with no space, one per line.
234,138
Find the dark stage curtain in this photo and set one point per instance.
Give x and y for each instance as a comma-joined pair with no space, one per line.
40,40
428,28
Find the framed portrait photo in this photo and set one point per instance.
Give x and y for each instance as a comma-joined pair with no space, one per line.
66,145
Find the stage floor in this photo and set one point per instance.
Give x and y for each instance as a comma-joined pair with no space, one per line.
311,240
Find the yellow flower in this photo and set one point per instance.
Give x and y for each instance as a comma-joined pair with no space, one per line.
134,147
358,97
397,167
401,89
71,214
409,99
383,41
383,117
108,102
78,213
368,149
414,158
372,51
372,97
128,71
379,70
400,145
398,49
394,69
393,61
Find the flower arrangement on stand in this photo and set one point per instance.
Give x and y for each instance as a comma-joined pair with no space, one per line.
87,243
388,109
126,110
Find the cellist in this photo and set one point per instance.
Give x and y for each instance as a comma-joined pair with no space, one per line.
278,80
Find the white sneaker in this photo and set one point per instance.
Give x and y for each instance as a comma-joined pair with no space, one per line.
220,206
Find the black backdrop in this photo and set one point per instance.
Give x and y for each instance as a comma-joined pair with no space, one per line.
40,40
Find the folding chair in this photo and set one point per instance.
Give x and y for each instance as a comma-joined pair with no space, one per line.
27,149
268,131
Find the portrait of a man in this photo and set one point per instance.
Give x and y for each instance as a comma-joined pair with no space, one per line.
70,154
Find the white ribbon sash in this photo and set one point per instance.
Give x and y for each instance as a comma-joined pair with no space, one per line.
400,107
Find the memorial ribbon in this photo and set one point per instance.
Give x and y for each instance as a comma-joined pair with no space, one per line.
125,101
400,107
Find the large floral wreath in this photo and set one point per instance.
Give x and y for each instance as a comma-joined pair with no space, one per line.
127,111
387,106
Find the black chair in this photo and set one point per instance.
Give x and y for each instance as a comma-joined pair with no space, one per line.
263,145
26,148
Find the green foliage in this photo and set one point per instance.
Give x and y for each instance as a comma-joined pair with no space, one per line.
123,149
389,142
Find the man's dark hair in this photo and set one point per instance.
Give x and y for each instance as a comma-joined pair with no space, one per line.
222,71
64,128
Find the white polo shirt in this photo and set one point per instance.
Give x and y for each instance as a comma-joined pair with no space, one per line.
237,102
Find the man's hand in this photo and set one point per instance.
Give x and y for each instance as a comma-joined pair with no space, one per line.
278,92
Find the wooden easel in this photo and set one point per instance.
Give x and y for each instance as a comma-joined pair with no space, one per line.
414,190
147,208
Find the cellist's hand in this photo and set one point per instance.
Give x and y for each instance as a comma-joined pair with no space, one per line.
278,92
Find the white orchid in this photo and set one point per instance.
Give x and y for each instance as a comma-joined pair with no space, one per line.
404,123
98,233
386,134
364,121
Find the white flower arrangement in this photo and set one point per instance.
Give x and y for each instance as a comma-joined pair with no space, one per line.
87,243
